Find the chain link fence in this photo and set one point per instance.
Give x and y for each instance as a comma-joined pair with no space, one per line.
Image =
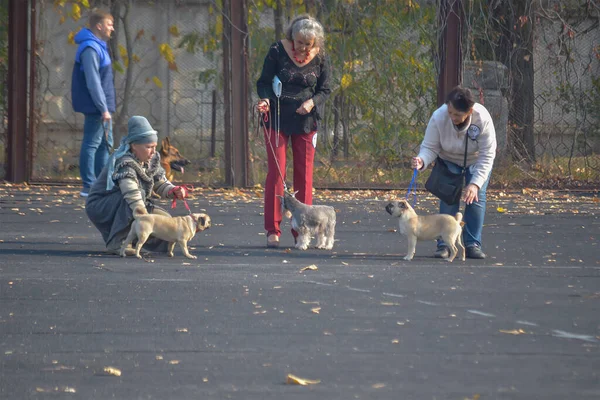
533,64
543,57
383,86
167,68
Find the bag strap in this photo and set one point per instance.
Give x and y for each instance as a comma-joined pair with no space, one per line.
465,159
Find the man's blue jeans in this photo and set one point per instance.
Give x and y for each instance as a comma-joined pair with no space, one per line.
474,212
94,149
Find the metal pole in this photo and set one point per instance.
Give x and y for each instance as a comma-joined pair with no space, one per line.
235,32
18,49
227,119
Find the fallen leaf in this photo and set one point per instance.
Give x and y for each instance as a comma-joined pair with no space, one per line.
174,362
112,371
316,310
182,330
311,267
513,332
378,385
295,380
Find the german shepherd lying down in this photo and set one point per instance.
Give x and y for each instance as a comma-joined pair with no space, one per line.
171,159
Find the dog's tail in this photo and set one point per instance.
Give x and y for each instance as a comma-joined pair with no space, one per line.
139,211
458,217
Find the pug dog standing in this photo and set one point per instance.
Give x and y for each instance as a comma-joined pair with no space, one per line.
427,227
171,229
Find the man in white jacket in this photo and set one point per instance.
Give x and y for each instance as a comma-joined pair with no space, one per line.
450,125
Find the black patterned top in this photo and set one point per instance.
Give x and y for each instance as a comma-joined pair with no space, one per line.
298,85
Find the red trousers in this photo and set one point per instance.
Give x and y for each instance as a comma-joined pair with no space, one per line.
303,152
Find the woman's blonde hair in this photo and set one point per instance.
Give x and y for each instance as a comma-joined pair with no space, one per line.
308,27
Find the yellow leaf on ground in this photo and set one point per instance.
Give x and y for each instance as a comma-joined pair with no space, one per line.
513,332
112,371
501,210
295,380
316,310
311,267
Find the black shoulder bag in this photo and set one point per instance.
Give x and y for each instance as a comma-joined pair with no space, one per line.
444,184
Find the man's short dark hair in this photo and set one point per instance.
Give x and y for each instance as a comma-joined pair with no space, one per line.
461,99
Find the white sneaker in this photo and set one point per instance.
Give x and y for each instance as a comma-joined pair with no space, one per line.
83,194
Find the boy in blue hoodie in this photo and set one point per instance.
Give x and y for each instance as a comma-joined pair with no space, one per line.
93,94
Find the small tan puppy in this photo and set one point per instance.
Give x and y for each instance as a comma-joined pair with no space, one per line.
171,229
427,227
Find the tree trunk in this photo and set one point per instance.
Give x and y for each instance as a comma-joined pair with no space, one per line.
279,19
514,22
336,125
311,7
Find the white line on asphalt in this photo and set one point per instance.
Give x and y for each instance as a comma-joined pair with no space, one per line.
568,335
393,295
358,290
429,303
527,323
483,314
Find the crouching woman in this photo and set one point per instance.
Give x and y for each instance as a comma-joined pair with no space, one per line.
132,173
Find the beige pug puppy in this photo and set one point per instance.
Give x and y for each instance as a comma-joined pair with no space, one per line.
171,229
427,227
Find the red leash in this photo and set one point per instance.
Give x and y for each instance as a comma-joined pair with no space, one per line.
186,188
265,119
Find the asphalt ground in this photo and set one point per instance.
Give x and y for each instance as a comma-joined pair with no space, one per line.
76,323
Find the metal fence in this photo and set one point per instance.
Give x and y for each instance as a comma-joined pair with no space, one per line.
167,68
384,86
543,57
534,65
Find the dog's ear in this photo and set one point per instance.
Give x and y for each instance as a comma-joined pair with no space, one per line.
165,143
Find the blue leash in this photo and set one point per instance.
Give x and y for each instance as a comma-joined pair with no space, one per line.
413,186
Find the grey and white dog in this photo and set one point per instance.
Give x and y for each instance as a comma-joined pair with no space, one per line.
310,220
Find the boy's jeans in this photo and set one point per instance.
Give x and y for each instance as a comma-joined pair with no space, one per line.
94,149
474,212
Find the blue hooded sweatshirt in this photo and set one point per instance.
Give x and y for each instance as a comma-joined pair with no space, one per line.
92,88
